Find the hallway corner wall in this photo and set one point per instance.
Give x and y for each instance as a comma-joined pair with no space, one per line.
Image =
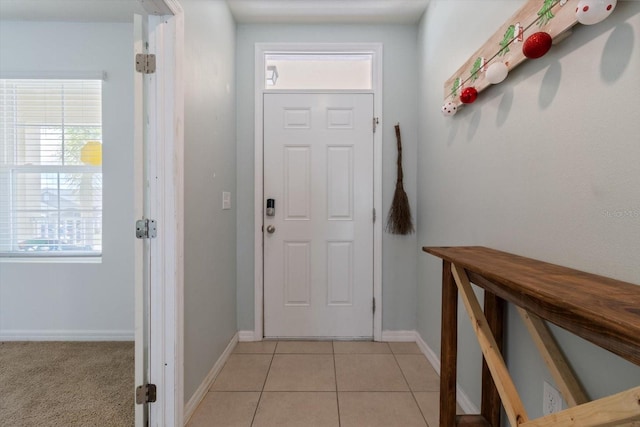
210,169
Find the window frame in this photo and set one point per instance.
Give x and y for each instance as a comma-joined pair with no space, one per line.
54,246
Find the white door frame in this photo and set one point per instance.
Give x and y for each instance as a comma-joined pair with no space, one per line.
375,49
165,109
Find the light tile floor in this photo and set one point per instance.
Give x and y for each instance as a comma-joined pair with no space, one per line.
323,384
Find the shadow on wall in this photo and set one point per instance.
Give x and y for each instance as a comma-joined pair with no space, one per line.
454,127
474,124
617,53
550,85
505,106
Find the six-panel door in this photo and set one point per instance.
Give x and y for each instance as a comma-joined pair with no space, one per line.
318,257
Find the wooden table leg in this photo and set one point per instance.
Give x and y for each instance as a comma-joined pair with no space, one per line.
494,312
449,348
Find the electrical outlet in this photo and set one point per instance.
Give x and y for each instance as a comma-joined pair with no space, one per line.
551,399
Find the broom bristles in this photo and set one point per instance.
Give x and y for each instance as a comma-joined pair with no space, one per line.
399,220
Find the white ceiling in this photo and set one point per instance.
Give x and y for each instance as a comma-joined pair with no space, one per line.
244,11
328,11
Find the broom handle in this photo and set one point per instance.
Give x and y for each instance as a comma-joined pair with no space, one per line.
399,140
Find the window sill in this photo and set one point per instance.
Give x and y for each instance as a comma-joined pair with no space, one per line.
52,260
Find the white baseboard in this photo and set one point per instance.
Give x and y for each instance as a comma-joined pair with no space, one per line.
399,336
191,406
431,356
66,335
463,400
247,336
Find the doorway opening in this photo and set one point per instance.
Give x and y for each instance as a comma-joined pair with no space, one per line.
314,69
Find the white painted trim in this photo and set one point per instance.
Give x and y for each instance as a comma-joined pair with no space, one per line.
138,162
321,91
246,336
377,190
177,314
154,180
166,165
201,391
157,7
51,260
66,335
59,75
431,356
260,49
258,190
399,336
162,201
461,397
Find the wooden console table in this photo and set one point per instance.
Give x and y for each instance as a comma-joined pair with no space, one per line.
598,309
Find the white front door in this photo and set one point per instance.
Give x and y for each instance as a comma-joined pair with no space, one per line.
318,245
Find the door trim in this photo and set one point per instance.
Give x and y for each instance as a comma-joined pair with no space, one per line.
375,49
165,108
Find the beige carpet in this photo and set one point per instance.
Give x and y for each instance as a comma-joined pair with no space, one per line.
66,384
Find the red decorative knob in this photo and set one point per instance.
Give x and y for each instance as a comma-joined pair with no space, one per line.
468,95
536,45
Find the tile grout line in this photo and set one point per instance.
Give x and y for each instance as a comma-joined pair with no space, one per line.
335,375
333,352
263,385
410,389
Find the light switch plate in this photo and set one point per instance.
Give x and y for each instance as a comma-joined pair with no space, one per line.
226,200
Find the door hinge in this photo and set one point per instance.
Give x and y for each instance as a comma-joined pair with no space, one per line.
376,122
146,229
146,63
145,394
374,306
374,215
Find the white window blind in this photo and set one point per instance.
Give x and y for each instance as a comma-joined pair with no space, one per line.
50,167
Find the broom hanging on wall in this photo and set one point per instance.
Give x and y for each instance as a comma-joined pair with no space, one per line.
399,220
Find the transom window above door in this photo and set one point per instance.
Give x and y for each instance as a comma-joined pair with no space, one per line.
318,71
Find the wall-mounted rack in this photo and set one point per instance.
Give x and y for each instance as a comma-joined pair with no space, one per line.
554,17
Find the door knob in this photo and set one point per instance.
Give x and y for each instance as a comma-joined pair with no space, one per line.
271,229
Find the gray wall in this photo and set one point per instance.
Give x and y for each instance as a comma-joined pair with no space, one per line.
210,169
79,300
543,165
400,104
